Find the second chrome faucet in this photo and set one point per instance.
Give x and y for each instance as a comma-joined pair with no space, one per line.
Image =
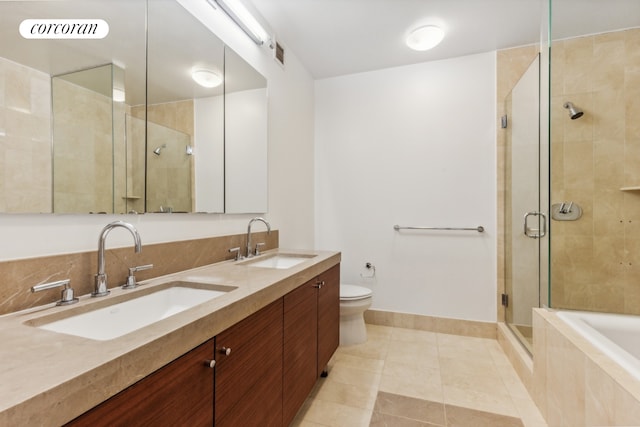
249,250
100,288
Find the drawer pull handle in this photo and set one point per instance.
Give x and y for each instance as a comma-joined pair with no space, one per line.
225,350
210,363
319,284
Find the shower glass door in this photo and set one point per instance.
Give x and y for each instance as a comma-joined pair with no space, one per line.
525,223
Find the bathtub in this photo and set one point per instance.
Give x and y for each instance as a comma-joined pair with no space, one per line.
616,335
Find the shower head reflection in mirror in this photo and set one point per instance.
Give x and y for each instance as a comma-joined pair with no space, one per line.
159,149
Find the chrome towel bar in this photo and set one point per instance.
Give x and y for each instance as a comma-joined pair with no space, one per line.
479,228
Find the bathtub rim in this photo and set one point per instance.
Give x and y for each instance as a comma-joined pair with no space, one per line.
614,370
607,346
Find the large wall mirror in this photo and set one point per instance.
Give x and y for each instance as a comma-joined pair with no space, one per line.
135,122
245,146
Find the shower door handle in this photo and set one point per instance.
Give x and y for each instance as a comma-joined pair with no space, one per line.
535,233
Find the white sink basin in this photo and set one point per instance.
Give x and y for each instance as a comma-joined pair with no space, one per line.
279,261
118,319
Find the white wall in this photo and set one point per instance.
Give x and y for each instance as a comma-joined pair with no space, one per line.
413,145
290,171
246,154
208,136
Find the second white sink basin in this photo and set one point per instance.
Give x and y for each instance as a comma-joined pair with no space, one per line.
279,261
121,318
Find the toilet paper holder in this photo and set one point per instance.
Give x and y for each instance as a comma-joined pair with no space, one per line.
371,268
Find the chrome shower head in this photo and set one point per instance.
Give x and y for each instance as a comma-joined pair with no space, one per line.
159,149
574,112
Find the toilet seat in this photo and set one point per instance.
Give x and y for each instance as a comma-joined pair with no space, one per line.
352,292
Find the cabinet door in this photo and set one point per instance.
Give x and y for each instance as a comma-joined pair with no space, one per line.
300,347
328,316
248,384
180,393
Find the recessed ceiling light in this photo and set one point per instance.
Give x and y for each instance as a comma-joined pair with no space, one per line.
425,38
206,78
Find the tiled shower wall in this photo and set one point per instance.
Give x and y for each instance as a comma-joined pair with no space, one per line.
25,139
84,149
596,259
170,175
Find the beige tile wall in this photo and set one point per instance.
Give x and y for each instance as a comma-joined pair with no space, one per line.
170,175
595,261
83,155
133,198
25,139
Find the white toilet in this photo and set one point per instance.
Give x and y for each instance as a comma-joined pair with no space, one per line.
354,300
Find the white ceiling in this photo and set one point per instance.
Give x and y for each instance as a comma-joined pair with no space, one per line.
337,37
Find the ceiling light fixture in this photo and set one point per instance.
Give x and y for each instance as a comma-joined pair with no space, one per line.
118,95
243,18
425,37
206,78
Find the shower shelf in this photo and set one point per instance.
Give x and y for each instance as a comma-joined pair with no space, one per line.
634,188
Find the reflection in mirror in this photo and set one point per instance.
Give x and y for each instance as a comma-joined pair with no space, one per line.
245,136
185,164
88,141
26,131
96,152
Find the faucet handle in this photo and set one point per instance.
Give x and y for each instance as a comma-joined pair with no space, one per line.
67,296
131,278
238,257
258,245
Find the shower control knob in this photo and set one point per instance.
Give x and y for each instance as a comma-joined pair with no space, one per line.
225,350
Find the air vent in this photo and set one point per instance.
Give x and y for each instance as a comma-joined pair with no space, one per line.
278,53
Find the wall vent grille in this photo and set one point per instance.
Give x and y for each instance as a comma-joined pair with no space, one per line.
278,53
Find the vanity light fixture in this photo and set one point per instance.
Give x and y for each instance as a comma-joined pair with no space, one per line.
206,78
425,37
243,18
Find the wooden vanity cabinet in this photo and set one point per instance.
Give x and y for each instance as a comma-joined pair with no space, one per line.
300,347
180,393
328,315
265,368
248,379
311,336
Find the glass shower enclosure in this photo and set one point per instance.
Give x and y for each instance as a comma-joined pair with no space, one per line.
526,233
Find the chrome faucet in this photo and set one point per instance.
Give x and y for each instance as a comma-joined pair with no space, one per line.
100,289
249,254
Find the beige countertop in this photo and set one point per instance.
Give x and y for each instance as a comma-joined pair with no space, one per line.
48,378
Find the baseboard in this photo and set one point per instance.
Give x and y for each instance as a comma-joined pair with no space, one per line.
470,328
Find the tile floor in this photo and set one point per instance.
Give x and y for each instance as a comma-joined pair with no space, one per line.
405,377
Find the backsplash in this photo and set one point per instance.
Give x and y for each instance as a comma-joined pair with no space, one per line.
18,276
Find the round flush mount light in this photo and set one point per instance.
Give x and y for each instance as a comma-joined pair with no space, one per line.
425,37
118,95
206,78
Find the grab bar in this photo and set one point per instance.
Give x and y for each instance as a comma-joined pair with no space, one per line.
479,228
